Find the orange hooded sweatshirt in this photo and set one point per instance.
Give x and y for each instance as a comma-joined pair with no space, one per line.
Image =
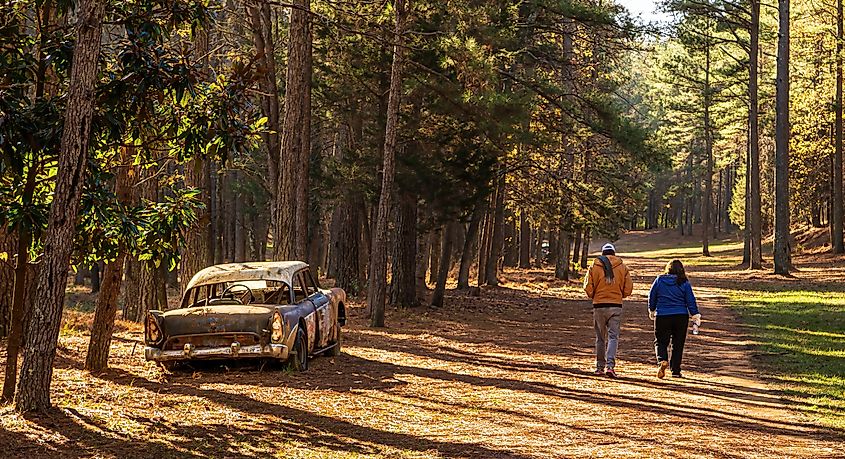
606,294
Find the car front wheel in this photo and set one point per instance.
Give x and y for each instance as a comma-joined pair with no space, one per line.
298,361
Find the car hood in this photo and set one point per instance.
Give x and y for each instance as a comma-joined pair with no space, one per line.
216,319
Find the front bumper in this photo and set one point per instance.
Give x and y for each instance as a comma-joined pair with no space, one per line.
235,351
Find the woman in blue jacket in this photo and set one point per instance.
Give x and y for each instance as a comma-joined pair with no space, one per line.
671,303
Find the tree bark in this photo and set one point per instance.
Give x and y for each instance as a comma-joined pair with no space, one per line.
497,234
262,34
511,243
585,250
837,235
708,146
562,256
470,244
291,200
781,245
403,282
197,253
434,255
40,344
449,231
755,217
8,245
104,314
347,252
378,258
484,244
524,241
423,246
576,247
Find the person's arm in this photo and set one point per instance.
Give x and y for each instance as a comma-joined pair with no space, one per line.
628,286
589,288
692,306
652,299
652,295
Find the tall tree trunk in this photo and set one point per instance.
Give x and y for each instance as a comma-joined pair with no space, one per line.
524,241
378,258
106,309
576,248
470,243
449,233
261,23
8,244
837,236
538,247
219,222
13,344
781,245
94,273
291,199
755,217
197,254
708,146
347,250
403,282
562,255
585,251
484,243
434,256
497,234
511,243
423,246
40,343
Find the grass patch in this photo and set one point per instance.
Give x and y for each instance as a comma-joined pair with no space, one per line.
801,336
692,250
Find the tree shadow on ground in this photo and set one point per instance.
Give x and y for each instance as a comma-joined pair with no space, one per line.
312,428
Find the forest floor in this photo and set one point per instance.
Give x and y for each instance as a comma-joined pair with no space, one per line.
506,374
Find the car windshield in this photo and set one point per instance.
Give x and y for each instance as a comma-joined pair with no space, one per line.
250,291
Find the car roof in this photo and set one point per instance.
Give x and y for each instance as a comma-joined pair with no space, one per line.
282,271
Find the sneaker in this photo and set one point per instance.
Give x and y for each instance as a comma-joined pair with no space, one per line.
661,370
598,372
611,372
677,375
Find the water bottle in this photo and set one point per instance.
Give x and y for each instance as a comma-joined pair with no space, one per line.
695,328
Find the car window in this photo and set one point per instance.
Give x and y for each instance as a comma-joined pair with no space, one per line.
299,288
310,285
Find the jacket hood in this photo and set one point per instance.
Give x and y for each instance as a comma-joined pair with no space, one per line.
668,279
614,261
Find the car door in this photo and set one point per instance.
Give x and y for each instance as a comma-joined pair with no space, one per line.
307,310
325,318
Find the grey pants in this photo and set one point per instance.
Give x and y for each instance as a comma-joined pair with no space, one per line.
607,322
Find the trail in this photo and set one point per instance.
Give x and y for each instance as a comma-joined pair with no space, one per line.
506,374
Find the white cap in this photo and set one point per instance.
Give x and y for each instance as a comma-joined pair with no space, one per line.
608,246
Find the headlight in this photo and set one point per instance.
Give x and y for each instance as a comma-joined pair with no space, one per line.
276,328
153,330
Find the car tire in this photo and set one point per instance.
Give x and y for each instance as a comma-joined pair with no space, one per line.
334,351
299,360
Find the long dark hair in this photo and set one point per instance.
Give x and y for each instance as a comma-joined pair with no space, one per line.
677,268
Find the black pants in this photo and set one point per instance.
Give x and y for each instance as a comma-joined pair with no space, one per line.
672,328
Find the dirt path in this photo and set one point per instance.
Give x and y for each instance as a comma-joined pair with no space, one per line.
503,375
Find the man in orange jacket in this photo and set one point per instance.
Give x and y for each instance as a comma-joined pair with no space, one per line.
606,283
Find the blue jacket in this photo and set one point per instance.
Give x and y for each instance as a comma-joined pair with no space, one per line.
668,298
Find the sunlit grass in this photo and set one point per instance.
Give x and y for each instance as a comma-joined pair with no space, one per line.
692,249
801,336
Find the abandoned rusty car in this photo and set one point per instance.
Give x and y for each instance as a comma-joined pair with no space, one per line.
271,310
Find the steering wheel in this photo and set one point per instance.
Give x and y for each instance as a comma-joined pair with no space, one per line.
243,299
